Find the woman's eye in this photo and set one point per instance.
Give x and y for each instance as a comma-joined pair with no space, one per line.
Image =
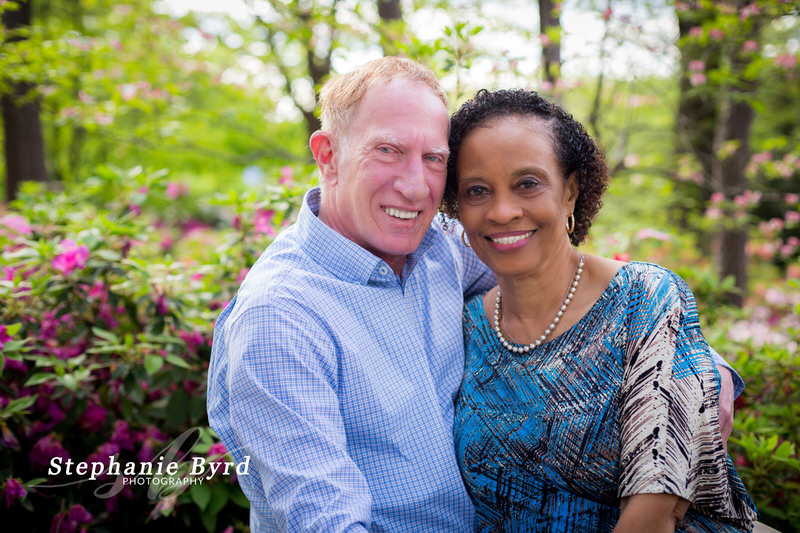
476,191
528,183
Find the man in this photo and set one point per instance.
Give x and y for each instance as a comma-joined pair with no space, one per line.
336,366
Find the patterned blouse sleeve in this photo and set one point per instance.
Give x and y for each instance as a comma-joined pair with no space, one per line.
669,404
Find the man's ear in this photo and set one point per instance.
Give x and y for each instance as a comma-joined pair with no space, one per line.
322,146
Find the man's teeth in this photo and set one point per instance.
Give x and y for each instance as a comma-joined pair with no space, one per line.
512,240
399,213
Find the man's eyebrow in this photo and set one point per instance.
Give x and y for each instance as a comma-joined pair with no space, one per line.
440,151
380,139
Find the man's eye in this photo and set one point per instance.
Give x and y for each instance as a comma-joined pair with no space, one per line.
385,149
433,158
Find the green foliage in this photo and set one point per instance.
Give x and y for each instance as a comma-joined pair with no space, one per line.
105,342
767,432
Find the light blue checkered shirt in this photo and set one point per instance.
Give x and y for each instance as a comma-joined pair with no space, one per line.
338,380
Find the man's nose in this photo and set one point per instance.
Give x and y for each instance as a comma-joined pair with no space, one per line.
412,182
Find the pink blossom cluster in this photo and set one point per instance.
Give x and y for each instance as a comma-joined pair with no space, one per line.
748,11
13,491
72,256
141,89
71,521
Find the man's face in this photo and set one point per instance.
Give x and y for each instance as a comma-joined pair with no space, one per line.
390,170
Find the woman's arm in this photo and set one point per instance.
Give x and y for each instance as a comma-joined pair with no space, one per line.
656,513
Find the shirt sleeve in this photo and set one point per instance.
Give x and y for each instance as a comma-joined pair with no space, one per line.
738,383
669,406
283,413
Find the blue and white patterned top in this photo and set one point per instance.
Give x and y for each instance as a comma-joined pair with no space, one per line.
624,402
338,380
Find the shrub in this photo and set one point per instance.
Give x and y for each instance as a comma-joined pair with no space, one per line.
104,347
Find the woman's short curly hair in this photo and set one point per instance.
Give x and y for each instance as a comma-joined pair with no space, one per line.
574,148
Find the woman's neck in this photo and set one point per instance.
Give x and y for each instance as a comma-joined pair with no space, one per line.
531,302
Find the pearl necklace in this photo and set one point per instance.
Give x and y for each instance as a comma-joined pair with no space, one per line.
517,348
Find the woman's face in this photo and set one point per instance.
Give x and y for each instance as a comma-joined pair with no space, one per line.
512,197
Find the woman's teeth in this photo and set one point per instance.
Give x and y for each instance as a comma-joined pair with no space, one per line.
512,239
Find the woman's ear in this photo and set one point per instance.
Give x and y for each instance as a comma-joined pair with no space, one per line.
322,146
571,192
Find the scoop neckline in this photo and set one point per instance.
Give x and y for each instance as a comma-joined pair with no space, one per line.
477,300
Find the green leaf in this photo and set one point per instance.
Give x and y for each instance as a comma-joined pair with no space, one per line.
105,335
12,329
177,361
18,405
201,495
209,521
219,499
153,363
39,378
784,450
237,496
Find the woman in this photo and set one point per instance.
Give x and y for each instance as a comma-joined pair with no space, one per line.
589,400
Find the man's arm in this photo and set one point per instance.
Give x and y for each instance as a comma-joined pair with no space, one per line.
731,386
284,415
476,277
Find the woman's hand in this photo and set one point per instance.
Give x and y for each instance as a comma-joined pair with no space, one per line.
654,513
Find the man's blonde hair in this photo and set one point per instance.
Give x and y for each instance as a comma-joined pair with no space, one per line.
340,96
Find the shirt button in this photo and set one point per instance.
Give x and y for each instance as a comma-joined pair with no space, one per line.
383,270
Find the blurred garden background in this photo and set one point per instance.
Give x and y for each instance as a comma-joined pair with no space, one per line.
152,149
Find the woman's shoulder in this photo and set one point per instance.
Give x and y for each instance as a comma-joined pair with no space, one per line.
650,276
473,307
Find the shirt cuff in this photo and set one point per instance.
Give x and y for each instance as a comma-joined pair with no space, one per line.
738,384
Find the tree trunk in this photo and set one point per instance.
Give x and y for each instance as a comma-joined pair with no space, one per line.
23,142
734,125
391,13
390,10
549,18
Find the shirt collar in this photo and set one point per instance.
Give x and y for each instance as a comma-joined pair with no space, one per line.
342,257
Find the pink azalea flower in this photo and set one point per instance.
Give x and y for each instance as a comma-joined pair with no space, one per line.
786,61
72,520
622,257
749,46
4,337
717,197
262,222
17,224
696,31
287,176
697,78
173,190
607,13
217,452
713,213
748,10
13,491
791,198
650,233
545,40
44,450
761,157
716,33
94,417
697,65
72,256
792,216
